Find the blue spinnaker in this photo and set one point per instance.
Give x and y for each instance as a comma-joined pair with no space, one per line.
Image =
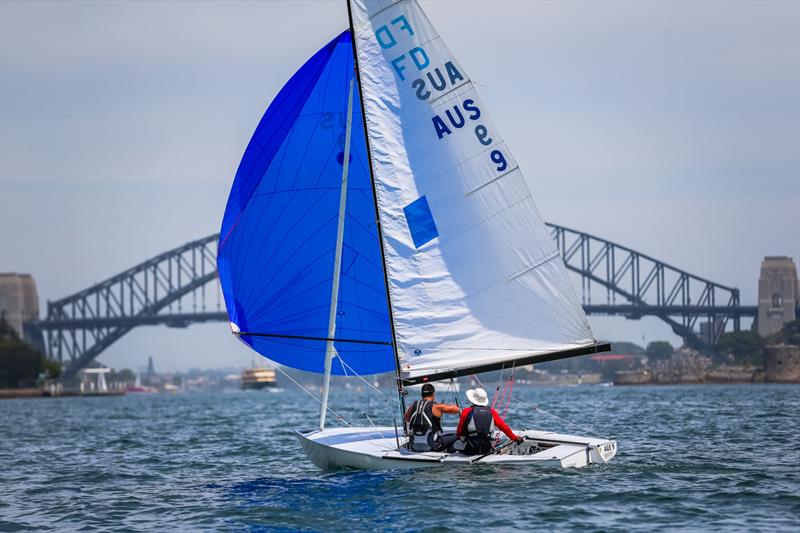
278,236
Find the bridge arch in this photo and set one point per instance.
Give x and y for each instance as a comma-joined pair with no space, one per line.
172,288
648,286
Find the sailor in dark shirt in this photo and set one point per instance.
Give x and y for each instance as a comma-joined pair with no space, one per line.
424,422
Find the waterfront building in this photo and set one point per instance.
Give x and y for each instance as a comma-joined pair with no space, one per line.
19,300
777,294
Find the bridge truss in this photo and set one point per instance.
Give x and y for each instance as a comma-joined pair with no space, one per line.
168,289
173,289
648,287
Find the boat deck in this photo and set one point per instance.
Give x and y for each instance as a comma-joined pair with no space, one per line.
382,448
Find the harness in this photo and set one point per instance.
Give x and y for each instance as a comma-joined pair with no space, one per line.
424,432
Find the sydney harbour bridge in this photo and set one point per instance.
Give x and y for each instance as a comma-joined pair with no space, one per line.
179,287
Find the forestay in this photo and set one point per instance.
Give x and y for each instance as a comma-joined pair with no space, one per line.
474,276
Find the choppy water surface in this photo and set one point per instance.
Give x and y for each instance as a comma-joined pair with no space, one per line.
696,457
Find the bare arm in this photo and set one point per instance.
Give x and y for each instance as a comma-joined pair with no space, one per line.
441,408
407,414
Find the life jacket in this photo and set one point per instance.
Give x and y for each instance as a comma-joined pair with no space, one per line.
479,429
425,427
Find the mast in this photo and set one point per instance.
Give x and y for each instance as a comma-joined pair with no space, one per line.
330,350
398,380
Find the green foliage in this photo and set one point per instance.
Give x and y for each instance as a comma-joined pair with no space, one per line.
742,347
659,350
626,348
52,369
7,333
21,363
789,334
125,375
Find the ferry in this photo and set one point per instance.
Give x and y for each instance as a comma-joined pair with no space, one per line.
258,378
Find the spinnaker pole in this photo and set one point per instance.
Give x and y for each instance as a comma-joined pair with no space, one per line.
330,350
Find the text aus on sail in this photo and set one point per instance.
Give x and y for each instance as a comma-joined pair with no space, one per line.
437,79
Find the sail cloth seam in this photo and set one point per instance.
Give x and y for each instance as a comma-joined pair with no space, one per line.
321,227
576,326
536,264
491,181
245,241
483,221
485,313
444,173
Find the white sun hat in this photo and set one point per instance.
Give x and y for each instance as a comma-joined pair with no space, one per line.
478,397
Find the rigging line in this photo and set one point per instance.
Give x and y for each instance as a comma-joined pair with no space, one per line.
540,410
334,413
356,374
455,393
450,387
510,392
390,446
307,338
499,382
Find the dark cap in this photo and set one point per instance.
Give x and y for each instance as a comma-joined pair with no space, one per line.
427,390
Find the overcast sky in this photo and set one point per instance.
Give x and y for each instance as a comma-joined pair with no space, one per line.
669,127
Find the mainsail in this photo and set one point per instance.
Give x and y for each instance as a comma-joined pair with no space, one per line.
475,278
446,268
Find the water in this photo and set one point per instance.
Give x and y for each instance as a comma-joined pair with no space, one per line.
695,457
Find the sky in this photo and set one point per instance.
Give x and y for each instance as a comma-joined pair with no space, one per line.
669,127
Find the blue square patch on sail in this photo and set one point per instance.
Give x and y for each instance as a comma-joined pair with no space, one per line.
420,221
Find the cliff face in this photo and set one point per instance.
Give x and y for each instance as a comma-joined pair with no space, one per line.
782,364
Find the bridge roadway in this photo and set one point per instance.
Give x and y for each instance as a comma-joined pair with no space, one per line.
172,289
183,320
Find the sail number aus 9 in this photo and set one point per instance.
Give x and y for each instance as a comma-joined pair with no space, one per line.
400,32
455,118
496,156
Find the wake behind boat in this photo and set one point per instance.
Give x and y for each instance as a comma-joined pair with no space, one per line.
379,223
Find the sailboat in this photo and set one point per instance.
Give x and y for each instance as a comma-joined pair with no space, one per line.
379,223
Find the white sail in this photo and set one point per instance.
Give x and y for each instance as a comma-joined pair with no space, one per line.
474,275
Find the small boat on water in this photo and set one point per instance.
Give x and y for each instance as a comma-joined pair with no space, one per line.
379,223
257,378
378,448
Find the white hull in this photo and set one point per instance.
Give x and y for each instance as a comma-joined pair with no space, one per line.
377,449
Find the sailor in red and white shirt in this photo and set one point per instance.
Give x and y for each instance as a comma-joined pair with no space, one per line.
477,424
